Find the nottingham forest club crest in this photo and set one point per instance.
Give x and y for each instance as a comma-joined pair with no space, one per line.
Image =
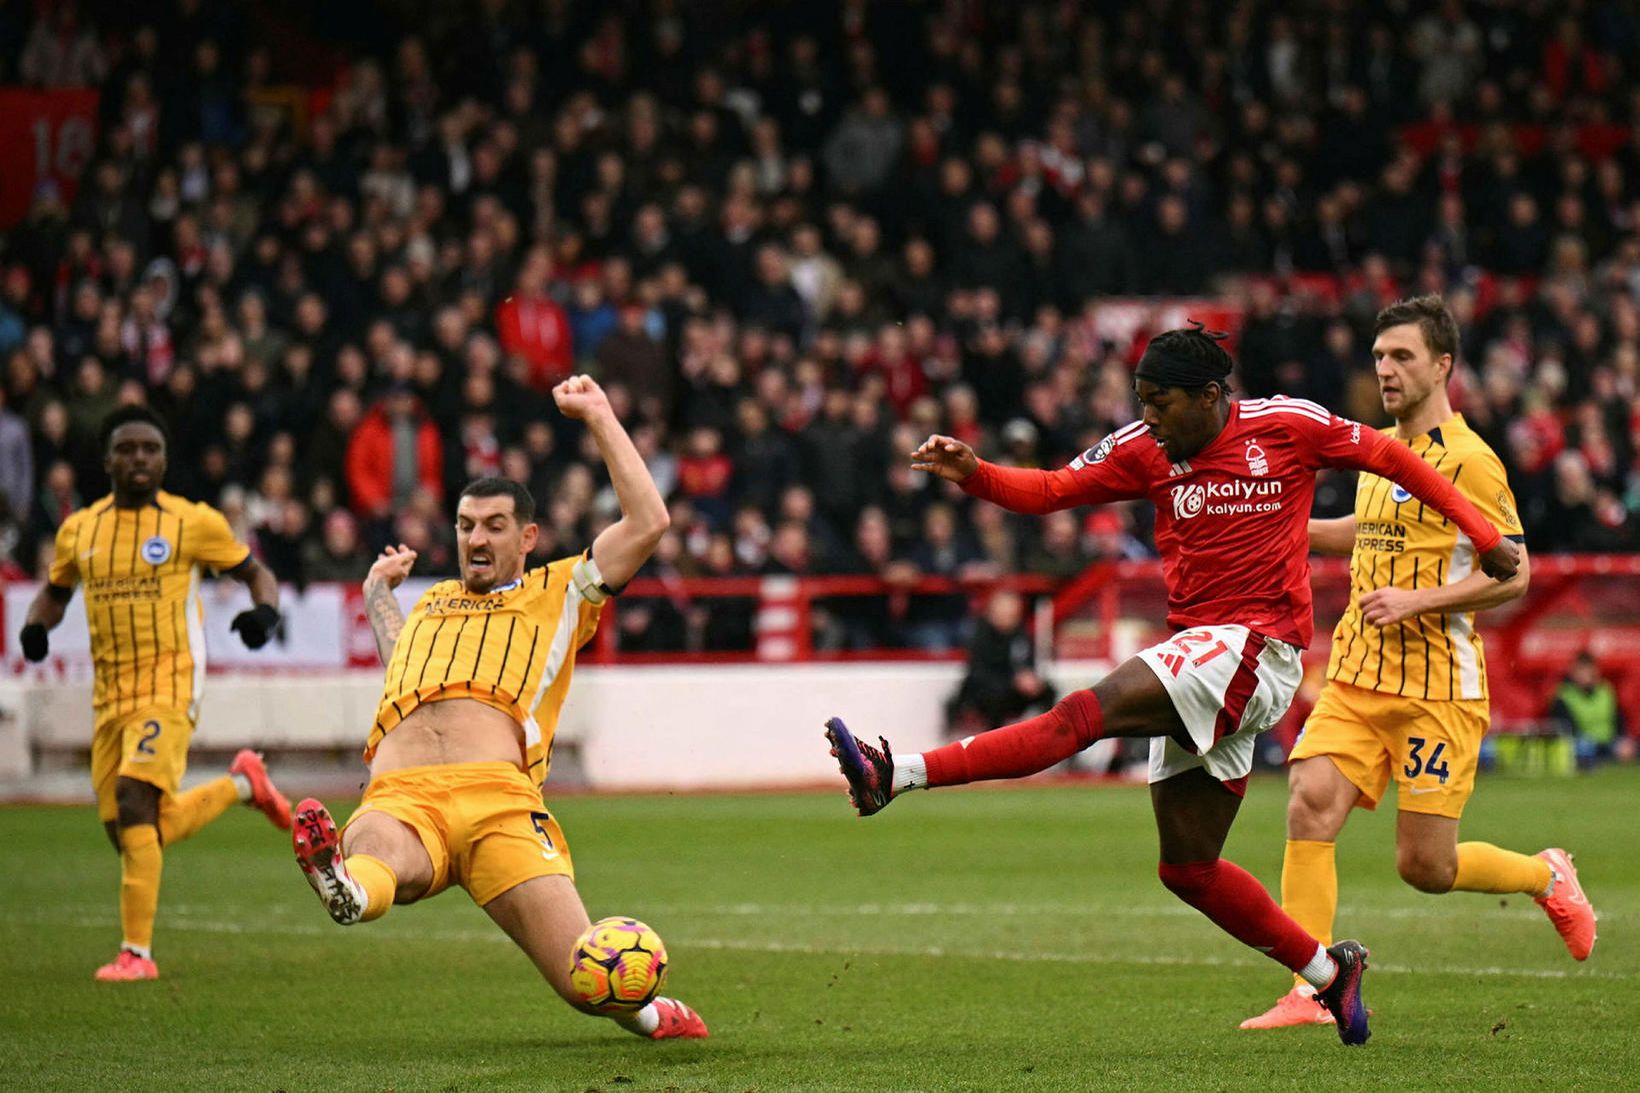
1257,464
156,551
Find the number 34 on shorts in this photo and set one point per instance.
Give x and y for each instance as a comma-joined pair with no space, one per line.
1435,765
1428,748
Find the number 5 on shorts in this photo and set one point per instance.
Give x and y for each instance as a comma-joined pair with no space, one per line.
540,820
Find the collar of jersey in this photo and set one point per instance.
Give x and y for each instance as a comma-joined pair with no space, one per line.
516,582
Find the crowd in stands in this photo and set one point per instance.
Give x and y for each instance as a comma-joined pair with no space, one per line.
347,259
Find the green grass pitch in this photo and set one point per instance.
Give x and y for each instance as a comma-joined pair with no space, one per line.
977,939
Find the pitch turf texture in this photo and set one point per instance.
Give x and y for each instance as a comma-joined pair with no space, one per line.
975,939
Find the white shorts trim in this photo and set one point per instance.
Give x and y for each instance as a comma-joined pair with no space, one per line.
1228,684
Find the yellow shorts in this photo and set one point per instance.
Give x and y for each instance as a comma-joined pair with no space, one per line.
150,745
482,824
1430,748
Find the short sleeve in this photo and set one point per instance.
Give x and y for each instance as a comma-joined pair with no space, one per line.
587,625
1485,483
65,565
211,542
588,613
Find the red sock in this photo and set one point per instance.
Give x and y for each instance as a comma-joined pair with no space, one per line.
1238,904
1014,751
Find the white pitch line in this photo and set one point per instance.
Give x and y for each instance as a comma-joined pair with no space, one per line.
1143,960
1458,909
685,942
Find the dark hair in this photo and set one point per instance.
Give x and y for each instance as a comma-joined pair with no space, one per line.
1433,318
1199,352
494,486
126,415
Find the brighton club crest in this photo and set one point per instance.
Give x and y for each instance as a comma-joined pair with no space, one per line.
156,551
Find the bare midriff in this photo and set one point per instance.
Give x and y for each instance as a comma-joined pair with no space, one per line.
450,730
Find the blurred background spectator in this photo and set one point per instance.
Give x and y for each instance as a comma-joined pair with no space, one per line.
1585,707
346,249
1002,683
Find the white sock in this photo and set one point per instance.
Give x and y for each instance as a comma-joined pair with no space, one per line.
243,785
1320,970
910,772
642,1023
140,950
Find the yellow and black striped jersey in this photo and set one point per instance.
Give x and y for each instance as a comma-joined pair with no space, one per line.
141,569
1401,543
513,649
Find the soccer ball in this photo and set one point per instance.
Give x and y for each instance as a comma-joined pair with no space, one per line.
618,965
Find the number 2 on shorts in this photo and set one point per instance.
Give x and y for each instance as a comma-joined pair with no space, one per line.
150,733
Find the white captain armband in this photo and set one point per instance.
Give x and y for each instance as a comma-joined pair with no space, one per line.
586,578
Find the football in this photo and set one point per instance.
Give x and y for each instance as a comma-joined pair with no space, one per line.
618,965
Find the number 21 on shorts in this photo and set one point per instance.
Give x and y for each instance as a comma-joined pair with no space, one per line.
1190,648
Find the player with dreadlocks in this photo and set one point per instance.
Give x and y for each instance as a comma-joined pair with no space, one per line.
1232,484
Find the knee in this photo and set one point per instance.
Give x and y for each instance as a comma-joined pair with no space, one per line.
1305,807
1189,881
1313,808
1425,872
398,850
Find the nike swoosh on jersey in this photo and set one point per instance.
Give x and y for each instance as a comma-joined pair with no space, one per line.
1415,790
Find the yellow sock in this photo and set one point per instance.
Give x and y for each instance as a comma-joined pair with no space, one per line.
1483,867
186,813
141,860
378,881
1309,887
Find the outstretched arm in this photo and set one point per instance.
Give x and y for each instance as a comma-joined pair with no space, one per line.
381,607
623,547
1499,558
1019,489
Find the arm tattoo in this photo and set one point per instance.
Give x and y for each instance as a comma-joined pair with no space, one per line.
386,619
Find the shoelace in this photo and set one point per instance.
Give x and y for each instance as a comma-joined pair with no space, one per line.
876,758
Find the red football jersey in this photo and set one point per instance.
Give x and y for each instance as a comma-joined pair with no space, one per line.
1232,520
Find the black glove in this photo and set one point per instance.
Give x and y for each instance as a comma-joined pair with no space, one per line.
33,638
256,626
